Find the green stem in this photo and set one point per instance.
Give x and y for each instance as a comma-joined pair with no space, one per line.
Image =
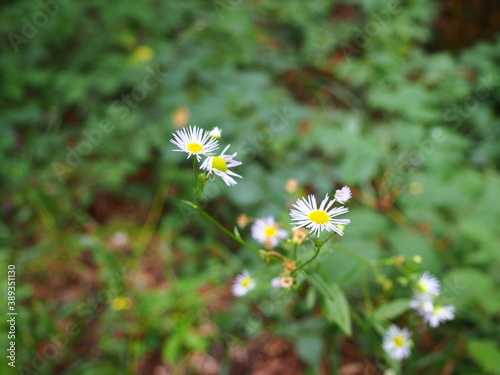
225,230
366,291
316,253
196,195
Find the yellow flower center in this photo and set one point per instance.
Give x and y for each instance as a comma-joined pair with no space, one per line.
399,341
270,231
422,287
219,163
246,281
319,217
195,147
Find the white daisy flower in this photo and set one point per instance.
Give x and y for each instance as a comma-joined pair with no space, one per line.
423,303
216,133
308,215
194,141
439,314
220,166
243,284
343,195
267,232
427,284
397,342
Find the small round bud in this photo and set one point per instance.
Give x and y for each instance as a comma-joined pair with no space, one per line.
417,259
202,177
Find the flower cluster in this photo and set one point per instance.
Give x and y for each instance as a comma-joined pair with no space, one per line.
198,142
309,217
397,342
426,291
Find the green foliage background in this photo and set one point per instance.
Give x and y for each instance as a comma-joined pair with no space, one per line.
324,92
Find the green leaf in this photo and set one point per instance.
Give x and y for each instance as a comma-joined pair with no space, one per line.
392,309
310,349
335,307
486,354
237,232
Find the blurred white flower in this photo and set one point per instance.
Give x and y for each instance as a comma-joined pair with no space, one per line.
423,303
428,284
243,284
119,240
343,195
307,214
194,141
276,282
397,342
220,165
267,232
439,314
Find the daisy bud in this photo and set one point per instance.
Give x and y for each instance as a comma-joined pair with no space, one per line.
299,235
291,186
287,282
202,177
242,221
289,266
343,195
216,133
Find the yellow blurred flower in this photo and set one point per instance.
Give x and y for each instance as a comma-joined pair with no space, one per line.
121,303
143,54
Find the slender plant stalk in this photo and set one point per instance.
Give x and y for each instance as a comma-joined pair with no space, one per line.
316,253
226,231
